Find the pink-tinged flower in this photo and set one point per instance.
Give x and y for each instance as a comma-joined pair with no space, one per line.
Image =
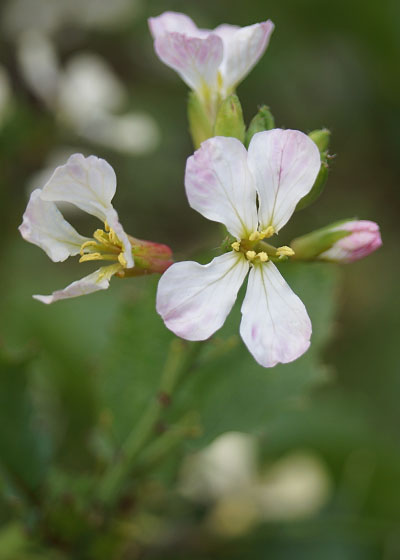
90,184
253,194
342,242
362,237
210,62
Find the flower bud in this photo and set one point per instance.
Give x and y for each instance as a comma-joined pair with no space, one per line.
149,257
321,138
229,121
199,123
343,242
263,120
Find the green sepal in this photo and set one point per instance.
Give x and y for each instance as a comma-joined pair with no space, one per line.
309,246
199,124
317,188
229,121
321,137
263,120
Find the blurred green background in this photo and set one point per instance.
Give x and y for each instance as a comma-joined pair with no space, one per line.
319,476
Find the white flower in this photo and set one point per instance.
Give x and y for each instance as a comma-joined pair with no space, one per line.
88,183
254,194
212,63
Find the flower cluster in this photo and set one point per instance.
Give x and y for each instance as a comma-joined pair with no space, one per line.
253,193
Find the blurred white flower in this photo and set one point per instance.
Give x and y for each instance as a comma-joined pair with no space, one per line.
226,475
51,15
296,486
86,96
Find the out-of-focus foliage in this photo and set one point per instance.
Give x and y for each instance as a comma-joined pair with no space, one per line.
77,377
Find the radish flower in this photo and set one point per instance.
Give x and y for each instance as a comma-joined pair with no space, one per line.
90,184
253,194
211,62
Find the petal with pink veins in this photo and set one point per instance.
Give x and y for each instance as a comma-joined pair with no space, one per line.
219,185
194,300
44,225
285,164
88,183
243,48
98,280
275,325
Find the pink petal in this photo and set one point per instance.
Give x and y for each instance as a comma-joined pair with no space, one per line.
285,164
243,48
170,22
220,186
194,300
275,325
44,225
88,183
364,239
98,280
195,59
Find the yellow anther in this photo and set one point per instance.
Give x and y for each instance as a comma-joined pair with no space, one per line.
114,238
91,257
268,232
255,236
87,244
101,236
262,256
122,259
236,245
106,226
251,255
284,251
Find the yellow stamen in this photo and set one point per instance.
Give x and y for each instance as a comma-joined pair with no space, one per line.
122,259
87,244
114,238
90,257
268,232
262,256
251,255
255,236
106,226
236,245
284,251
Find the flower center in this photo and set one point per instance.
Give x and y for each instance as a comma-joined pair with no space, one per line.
105,246
255,249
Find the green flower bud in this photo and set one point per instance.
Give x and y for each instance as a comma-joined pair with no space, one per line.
309,246
199,124
321,138
229,121
263,120
317,188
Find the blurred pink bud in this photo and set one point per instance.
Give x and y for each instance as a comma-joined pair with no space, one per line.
364,238
150,257
342,242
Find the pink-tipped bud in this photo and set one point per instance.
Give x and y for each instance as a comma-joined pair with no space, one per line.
149,257
342,242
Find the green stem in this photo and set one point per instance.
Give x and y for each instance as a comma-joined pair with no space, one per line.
180,361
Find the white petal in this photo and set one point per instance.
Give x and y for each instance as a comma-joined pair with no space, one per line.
196,59
44,225
243,47
113,222
88,183
194,300
285,164
98,280
219,185
170,22
275,326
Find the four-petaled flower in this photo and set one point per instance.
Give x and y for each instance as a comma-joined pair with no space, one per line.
253,194
211,62
88,183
